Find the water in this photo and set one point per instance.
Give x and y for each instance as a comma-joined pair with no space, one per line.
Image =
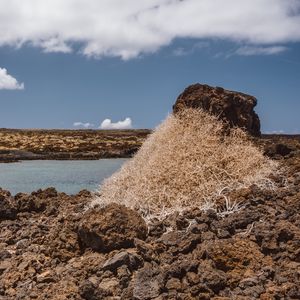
66,176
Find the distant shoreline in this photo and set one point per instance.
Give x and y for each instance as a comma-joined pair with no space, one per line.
62,144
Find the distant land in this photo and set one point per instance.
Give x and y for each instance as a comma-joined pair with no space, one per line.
61,144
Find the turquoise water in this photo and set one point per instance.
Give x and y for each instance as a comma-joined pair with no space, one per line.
66,176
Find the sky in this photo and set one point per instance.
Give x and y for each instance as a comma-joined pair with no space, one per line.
122,63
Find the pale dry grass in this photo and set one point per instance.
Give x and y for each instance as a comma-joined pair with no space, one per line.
187,162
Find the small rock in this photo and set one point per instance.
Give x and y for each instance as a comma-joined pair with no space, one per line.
4,254
47,193
182,223
7,209
84,193
214,279
192,278
94,280
109,284
45,277
23,265
123,258
173,284
22,244
87,290
147,284
29,203
4,265
123,271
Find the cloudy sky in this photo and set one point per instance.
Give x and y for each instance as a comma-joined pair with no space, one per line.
122,63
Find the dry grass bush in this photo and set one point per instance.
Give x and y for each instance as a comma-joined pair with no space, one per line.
186,162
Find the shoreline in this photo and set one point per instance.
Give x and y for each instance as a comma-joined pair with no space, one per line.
60,144
14,157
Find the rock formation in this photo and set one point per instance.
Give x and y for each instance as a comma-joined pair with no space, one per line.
112,227
237,109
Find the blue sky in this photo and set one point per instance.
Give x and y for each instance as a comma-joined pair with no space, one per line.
54,78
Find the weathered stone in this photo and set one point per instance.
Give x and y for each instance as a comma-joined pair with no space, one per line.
4,254
45,277
29,203
7,209
46,193
173,284
87,290
6,264
147,285
123,258
214,279
23,243
109,284
236,108
112,227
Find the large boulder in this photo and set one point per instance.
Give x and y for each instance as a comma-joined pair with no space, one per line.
235,108
112,227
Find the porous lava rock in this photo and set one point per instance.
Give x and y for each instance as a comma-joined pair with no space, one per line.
235,108
111,227
7,209
250,253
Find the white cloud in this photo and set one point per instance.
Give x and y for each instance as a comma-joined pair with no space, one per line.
84,125
128,28
107,124
55,45
252,50
7,82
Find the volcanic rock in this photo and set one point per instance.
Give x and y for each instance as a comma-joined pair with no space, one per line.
123,258
7,209
235,108
147,284
251,253
112,227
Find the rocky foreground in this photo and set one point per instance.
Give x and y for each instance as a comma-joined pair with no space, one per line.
51,247
29,144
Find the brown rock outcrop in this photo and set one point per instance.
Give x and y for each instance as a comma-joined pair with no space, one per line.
112,227
7,209
235,108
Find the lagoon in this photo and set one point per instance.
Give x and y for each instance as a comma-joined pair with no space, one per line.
69,176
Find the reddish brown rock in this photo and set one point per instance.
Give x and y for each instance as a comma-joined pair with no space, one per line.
7,209
233,107
147,284
112,227
238,258
253,253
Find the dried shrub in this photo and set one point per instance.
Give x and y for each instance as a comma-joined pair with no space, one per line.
186,162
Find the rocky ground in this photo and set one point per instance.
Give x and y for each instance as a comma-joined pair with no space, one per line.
17,144
51,247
